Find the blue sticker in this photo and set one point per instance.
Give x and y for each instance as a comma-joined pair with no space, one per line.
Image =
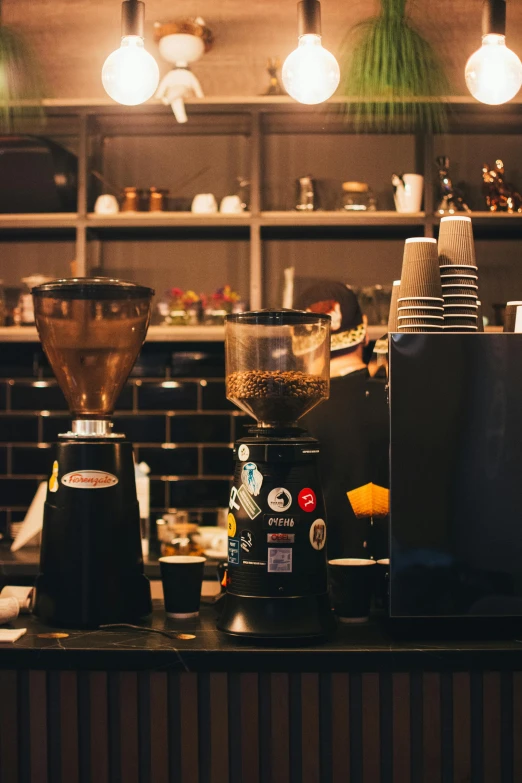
233,551
252,478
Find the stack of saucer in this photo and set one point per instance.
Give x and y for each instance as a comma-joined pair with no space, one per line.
420,303
458,274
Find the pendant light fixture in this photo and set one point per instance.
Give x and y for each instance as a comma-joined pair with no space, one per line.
130,75
310,73
494,73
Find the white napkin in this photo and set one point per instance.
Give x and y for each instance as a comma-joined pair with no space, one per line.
11,634
9,609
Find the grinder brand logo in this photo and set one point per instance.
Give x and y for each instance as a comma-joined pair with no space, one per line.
89,479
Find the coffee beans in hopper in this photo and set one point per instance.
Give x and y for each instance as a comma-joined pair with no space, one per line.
276,397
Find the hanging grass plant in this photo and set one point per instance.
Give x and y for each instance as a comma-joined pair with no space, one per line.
389,69
21,82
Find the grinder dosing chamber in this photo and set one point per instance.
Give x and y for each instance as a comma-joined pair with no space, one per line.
277,369
91,568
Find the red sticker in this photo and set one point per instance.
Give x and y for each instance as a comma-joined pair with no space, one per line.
307,500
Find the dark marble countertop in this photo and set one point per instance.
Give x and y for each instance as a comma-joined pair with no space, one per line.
353,648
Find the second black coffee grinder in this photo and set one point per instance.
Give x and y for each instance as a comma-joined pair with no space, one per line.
277,369
91,567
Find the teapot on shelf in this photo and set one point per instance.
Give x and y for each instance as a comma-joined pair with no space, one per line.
408,192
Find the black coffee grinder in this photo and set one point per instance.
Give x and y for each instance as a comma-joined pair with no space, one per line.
277,369
91,567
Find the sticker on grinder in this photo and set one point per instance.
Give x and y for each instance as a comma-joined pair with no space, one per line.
280,538
248,502
279,560
275,522
233,551
252,478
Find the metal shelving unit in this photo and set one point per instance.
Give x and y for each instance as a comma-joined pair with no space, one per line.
254,118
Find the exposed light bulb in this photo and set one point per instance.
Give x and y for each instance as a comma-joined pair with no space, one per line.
310,73
130,75
493,73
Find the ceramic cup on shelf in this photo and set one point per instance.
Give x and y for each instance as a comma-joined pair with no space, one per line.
513,317
204,204
106,205
231,205
408,192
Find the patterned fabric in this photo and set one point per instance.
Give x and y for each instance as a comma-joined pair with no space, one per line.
348,339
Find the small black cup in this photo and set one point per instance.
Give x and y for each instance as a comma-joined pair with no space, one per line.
182,577
351,587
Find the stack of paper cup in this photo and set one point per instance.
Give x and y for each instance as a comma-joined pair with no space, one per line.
458,274
420,303
392,318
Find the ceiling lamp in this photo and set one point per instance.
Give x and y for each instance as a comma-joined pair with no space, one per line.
494,73
130,75
310,73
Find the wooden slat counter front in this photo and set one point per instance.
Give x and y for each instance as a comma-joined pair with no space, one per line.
140,707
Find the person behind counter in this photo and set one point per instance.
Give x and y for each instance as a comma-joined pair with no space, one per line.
352,426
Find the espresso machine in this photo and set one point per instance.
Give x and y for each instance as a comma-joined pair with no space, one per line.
277,369
455,467
91,567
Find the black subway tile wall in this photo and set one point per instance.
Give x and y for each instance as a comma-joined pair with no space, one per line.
36,396
213,397
125,401
31,460
200,492
148,428
168,396
217,462
173,408
18,429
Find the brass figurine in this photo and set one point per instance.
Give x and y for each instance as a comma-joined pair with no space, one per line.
274,86
500,196
451,198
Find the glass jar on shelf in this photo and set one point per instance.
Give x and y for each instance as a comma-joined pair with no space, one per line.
25,302
180,308
219,305
131,199
357,197
177,535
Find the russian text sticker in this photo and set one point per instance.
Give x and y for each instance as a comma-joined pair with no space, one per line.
273,522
